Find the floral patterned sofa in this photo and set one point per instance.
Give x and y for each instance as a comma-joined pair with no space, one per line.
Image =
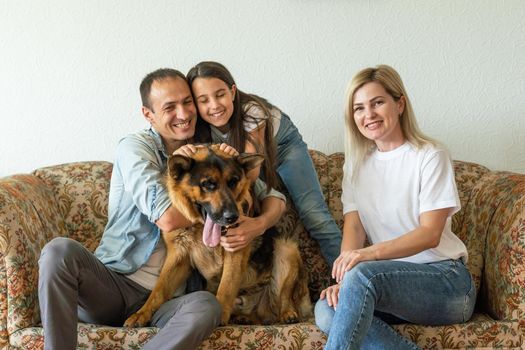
71,200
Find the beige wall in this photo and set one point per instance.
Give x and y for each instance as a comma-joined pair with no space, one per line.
70,69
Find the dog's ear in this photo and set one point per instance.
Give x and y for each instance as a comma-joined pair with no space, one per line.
178,166
250,160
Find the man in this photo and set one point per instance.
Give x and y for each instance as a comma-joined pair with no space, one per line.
110,285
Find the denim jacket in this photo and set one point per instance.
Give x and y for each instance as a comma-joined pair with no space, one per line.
137,198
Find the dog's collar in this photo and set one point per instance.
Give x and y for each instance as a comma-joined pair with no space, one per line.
224,229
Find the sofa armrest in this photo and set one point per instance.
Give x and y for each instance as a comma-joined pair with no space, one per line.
501,203
29,218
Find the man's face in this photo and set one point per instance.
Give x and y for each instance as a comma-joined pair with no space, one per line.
172,113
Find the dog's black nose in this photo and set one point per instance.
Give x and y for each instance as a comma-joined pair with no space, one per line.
230,217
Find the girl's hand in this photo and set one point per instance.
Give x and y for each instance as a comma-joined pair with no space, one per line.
186,150
228,149
239,237
332,295
347,260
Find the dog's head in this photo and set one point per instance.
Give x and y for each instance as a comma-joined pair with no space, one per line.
211,183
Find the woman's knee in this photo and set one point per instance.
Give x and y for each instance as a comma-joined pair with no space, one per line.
360,274
324,315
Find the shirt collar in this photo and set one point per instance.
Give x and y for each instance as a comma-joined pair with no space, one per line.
158,141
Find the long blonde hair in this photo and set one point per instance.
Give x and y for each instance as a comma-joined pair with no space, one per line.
357,146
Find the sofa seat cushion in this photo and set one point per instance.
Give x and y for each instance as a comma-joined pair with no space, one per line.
304,336
481,332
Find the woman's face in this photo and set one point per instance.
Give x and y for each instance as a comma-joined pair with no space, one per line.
376,115
214,100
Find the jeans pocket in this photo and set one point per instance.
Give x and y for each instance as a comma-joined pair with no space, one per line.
447,267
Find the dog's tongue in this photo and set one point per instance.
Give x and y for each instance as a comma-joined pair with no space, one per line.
212,233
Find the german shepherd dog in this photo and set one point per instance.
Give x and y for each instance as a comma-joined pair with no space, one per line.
211,189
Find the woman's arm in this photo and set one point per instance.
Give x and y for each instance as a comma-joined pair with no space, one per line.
427,235
354,237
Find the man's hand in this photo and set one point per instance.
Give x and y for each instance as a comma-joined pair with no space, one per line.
239,237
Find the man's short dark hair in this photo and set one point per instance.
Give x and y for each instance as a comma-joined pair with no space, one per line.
159,74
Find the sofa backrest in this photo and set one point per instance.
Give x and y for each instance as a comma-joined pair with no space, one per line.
81,190
491,222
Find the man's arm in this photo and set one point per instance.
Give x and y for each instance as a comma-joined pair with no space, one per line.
172,219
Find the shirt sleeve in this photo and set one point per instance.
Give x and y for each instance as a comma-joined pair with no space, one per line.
438,184
259,189
255,117
347,196
142,171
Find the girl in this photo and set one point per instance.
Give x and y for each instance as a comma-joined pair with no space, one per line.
251,124
399,193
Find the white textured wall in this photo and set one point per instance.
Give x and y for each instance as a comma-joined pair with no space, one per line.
70,70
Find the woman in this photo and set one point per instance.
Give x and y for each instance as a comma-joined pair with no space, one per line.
399,193
250,124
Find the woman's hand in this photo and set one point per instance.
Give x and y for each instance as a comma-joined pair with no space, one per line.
348,259
332,295
239,237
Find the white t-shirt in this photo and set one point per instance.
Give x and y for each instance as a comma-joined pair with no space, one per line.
393,188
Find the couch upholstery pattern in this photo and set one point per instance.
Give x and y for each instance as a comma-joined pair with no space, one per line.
70,200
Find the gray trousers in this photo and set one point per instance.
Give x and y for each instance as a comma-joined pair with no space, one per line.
74,285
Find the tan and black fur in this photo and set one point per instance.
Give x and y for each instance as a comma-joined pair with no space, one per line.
268,275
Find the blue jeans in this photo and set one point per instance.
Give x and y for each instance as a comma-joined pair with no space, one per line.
297,171
431,294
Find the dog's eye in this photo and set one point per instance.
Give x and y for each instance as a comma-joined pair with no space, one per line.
208,185
233,182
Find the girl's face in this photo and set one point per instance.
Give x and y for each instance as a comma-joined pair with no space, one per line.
214,100
376,115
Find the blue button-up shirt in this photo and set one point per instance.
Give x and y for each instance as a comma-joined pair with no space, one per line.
137,198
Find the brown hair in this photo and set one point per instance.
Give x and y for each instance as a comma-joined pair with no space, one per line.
159,74
238,136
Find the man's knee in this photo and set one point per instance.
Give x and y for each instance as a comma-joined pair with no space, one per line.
206,309
57,252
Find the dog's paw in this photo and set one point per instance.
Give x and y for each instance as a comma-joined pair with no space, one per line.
138,319
225,317
289,316
243,320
